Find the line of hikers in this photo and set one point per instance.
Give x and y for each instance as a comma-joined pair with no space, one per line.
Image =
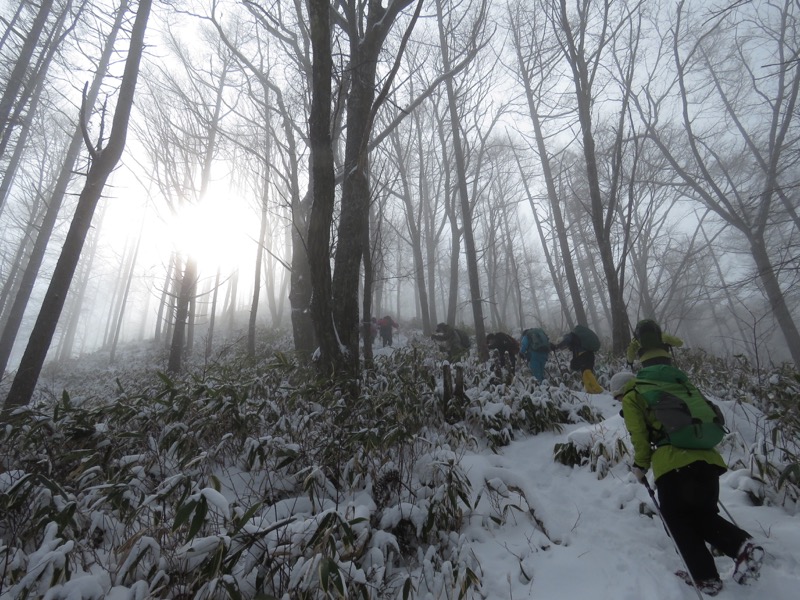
385,326
674,429
535,347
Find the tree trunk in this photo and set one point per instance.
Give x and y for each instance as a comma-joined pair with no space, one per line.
67,342
322,187
574,51
21,259
178,345
515,278
102,165
463,193
124,299
300,287
413,220
366,301
163,304
262,239
10,172
48,223
353,217
550,186
114,304
776,297
212,318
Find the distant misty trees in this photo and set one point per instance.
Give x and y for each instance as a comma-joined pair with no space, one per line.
104,155
496,164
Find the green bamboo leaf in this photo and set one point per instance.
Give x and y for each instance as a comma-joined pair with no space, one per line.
199,517
407,589
183,514
245,518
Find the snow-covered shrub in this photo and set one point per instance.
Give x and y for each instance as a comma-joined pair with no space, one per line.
249,478
243,479
599,447
496,410
777,457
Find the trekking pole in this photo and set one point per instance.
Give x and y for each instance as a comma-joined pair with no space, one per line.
669,533
558,363
730,516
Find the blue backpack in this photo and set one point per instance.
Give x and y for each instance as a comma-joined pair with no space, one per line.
537,340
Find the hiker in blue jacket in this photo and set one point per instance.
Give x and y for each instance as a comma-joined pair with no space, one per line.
535,348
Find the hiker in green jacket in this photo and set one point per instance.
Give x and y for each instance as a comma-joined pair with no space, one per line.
650,345
455,342
687,481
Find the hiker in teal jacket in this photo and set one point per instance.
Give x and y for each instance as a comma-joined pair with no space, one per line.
535,348
688,492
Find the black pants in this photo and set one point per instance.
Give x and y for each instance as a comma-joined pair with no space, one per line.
688,499
582,361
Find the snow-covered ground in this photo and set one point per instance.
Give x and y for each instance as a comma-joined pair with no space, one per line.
540,529
599,542
600,546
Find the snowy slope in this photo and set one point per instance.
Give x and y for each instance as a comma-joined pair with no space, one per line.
602,547
537,528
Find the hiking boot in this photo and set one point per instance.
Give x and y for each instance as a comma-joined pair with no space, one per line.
748,563
709,587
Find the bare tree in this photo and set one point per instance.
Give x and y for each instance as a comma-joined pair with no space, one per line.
731,137
366,32
126,276
77,297
65,175
30,96
587,35
104,159
15,84
460,160
321,184
537,55
401,151
292,118
182,139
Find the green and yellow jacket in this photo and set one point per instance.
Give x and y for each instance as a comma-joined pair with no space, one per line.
640,421
635,349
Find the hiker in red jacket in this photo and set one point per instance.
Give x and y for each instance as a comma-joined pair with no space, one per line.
385,326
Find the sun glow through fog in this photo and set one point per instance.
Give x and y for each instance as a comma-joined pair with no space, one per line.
218,232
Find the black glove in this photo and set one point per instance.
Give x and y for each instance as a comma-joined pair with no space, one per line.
639,473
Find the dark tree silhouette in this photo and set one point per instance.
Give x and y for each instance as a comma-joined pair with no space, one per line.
104,159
